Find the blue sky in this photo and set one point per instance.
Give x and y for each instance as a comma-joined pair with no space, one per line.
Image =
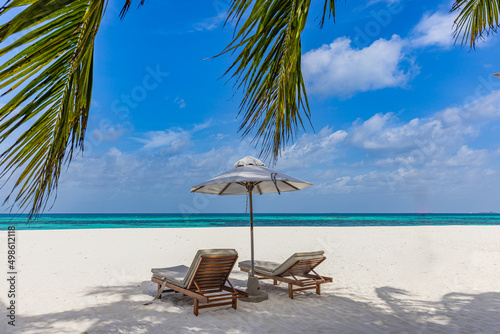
403,119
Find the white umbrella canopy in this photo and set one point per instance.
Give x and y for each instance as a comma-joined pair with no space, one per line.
246,171
250,176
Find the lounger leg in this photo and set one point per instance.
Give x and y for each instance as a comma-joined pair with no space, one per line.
235,303
196,306
275,282
318,289
290,290
159,288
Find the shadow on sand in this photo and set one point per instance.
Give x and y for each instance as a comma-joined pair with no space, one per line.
397,312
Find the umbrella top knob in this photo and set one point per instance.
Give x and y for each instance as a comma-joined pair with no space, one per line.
248,161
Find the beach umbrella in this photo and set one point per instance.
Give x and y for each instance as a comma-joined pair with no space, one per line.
247,177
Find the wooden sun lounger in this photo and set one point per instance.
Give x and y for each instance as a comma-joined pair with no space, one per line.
298,270
205,281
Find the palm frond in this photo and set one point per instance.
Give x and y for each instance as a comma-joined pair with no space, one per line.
497,75
126,7
328,7
476,18
50,77
268,68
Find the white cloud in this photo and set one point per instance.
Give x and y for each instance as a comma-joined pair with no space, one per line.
108,132
340,70
175,140
203,126
344,184
467,157
434,30
180,102
312,149
211,23
384,134
482,108
389,2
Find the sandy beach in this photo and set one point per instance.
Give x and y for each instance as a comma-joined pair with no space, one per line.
386,280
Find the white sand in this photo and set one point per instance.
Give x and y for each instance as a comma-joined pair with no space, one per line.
386,280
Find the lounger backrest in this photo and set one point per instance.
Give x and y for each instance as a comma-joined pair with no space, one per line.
303,267
308,261
221,261
213,272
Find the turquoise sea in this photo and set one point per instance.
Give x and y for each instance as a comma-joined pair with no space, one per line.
93,221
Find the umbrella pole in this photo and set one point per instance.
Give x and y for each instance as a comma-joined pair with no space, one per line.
253,286
251,230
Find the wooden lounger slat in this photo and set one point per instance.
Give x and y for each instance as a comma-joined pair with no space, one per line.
214,269
209,260
205,287
222,295
207,282
217,279
204,269
207,292
209,287
214,305
306,288
221,298
209,278
214,265
214,282
211,274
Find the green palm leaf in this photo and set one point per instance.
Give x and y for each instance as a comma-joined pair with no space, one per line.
126,7
268,68
476,18
50,78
